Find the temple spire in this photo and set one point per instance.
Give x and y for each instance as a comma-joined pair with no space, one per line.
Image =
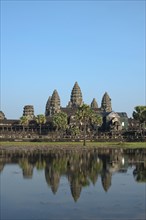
106,103
48,106
94,103
76,97
53,104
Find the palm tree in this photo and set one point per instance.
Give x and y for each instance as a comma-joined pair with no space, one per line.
96,120
74,130
40,119
24,121
85,115
60,121
140,114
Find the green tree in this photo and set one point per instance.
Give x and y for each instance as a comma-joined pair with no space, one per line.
140,114
59,121
24,121
40,119
85,115
74,130
96,120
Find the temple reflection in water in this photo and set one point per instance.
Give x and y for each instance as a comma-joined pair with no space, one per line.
81,168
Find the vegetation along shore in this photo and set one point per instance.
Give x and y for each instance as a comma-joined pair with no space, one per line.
68,145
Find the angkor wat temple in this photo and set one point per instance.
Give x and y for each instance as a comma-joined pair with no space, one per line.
53,104
115,121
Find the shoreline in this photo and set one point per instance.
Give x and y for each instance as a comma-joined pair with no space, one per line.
69,145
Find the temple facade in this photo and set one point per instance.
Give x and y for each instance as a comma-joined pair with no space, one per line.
111,120
76,100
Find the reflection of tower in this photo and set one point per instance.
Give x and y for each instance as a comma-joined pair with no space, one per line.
27,168
76,188
139,173
52,178
106,180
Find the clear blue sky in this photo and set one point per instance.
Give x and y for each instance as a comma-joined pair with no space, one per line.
47,45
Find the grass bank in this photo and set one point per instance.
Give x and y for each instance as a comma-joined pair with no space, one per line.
75,144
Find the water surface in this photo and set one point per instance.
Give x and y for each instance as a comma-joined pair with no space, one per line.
95,184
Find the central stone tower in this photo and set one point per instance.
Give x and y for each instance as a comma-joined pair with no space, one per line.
76,97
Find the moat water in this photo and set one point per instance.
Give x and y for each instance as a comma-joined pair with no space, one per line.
87,185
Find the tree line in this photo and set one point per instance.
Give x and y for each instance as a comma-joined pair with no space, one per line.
84,119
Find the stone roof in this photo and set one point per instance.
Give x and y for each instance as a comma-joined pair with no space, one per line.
9,122
113,115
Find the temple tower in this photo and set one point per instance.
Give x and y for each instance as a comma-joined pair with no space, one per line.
28,111
47,110
94,103
76,97
53,104
106,103
2,116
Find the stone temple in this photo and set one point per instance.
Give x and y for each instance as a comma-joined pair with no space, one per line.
53,106
76,100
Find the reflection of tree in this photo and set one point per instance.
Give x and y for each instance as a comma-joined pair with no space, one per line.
140,173
40,163
27,167
1,166
111,163
94,169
